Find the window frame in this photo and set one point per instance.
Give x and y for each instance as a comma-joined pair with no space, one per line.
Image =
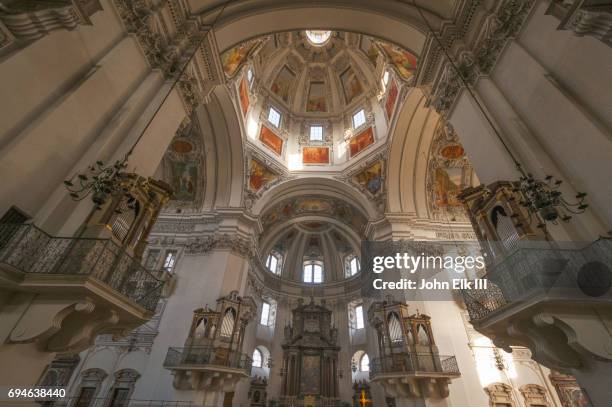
359,317
261,358
272,111
312,266
362,115
261,317
361,369
319,133
174,255
277,260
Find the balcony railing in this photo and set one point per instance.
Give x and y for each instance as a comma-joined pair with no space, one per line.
199,356
31,250
563,273
413,363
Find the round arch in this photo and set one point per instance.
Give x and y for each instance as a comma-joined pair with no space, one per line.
389,20
224,150
408,156
326,187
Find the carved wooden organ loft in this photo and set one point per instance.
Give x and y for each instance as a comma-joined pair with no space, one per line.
409,364
310,357
212,356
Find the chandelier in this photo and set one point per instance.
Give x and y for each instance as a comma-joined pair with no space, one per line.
99,181
543,199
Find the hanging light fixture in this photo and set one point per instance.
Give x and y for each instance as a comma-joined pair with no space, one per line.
543,199
540,197
100,180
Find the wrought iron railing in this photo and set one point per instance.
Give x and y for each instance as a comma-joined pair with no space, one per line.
106,402
207,355
531,271
30,250
411,363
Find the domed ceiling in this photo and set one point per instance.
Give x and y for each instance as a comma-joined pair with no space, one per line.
316,103
318,100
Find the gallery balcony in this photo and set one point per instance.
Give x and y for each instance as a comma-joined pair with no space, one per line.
407,364
414,374
207,367
545,295
93,283
538,276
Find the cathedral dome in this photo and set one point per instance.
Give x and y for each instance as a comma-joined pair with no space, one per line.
317,100
312,239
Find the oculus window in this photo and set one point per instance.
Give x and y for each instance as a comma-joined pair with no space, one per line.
359,119
313,272
274,117
318,37
316,133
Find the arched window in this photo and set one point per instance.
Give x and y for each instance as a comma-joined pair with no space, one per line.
257,358
227,325
364,363
313,272
273,263
395,328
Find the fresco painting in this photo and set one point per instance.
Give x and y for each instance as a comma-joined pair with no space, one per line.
271,140
452,152
358,143
182,146
233,59
447,185
260,176
305,205
350,85
370,178
369,49
317,101
315,155
391,98
283,84
403,61
244,96
184,178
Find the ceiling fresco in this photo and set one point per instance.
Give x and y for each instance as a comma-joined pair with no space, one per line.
314,205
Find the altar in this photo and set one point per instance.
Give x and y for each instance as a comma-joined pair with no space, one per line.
310,358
